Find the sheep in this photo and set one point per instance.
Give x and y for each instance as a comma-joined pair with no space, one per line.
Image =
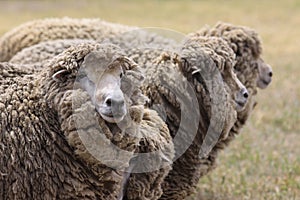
37,31
162,87
48,149
250,69
45,51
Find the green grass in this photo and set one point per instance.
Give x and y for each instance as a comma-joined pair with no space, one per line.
264,161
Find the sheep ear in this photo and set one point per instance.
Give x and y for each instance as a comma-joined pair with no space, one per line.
59,76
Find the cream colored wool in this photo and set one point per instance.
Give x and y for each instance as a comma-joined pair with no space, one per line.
38,31
43,155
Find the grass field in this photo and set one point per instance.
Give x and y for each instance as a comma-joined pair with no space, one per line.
264,161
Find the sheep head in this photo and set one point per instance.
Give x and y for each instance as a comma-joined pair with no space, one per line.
265,74
106,75
217,52
246,44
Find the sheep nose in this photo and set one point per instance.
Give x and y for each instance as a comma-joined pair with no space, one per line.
241,99
244,93
115,102
270,74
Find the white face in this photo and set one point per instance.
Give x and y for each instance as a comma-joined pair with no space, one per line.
265,75
108,96
241,96
239,91
104,88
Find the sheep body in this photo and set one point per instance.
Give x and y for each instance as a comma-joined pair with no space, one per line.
43,155
37,161
157,142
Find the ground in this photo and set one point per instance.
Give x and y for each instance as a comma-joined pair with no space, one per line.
264,161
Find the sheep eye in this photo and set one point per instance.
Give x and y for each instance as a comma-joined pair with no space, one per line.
121,74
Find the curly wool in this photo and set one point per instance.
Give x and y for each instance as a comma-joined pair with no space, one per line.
44,51
37,31
139,43
38,161
43,157
157,153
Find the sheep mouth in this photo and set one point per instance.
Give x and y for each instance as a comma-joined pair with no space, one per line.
112,118
109,115
240,105
262,83
266,82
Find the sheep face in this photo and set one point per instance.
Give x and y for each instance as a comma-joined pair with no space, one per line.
108,97
246,44
103,83
221,55
239,91
100,75
265,74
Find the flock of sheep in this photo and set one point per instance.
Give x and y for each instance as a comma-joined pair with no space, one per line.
96,110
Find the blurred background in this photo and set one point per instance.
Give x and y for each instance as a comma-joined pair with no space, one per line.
264,161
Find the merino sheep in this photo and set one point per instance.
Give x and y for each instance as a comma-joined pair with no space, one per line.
46,145
144,188
166,85
250,69
247,48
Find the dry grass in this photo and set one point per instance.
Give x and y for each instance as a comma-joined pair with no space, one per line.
264,161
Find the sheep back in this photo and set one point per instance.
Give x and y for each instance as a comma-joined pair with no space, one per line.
37,31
